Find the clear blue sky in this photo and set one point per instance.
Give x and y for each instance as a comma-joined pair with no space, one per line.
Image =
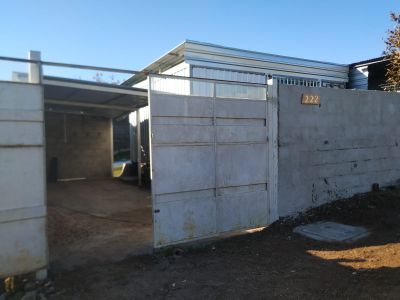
131,34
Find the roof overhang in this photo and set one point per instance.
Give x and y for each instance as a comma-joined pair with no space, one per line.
166,61
372,61
91,98
203,54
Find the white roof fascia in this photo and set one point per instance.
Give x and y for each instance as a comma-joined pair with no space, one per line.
212,49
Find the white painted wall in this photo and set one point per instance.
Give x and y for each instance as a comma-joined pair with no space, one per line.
181,69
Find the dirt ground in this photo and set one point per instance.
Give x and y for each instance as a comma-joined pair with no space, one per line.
97,221
273,263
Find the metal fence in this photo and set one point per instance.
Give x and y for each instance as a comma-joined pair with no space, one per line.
298,81
23,70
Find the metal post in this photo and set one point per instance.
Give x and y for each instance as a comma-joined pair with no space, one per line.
132,137
112,146
214,122
139,146
272,171
35,69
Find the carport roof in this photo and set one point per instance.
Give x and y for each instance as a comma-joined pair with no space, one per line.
91,98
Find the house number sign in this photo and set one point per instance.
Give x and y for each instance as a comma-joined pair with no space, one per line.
310,99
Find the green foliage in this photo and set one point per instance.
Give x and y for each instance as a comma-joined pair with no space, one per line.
393,54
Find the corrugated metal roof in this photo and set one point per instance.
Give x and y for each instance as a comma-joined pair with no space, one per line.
369,61
200,52
91,98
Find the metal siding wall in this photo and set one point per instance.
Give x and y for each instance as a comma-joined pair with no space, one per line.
220,74
198,87
144,122
358,78
23,246
218,57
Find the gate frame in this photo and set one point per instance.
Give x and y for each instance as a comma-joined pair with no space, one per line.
273,157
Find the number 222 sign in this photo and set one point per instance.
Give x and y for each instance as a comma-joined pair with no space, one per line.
311,99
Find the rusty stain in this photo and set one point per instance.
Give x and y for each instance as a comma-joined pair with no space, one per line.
20,261
189,226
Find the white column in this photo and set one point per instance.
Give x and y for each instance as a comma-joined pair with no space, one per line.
35,69
132,137
139,146
112,146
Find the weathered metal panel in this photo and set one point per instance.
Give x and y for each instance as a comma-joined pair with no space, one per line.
231,75
209,164
185,219
242,210
241,109
182,168
241,164
358,78
23,246
189,106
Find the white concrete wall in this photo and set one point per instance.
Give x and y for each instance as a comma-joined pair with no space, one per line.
337,149
23,241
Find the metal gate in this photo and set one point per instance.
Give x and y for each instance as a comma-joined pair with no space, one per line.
213,157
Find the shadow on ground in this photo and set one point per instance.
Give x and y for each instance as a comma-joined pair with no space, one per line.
273,263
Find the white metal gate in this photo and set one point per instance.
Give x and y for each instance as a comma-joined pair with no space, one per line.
213,158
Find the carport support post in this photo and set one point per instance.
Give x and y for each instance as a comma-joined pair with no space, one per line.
35,76
139,146
35,69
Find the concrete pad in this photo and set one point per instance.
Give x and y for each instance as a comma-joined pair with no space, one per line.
331,232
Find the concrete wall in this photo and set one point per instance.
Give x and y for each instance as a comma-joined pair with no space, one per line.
337,149
23,240
81,144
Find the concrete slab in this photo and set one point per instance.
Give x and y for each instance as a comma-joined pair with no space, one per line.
331,232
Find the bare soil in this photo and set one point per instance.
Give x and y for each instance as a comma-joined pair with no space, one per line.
273,263
97,221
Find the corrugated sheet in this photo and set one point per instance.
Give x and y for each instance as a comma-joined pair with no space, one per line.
231,75
358,78
144,126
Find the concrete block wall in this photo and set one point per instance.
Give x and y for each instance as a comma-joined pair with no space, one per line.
337,149
81,144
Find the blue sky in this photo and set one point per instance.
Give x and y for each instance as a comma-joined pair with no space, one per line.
131,34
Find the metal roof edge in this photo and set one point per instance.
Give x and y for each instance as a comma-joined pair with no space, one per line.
369,61
180,49
263,53
156,63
